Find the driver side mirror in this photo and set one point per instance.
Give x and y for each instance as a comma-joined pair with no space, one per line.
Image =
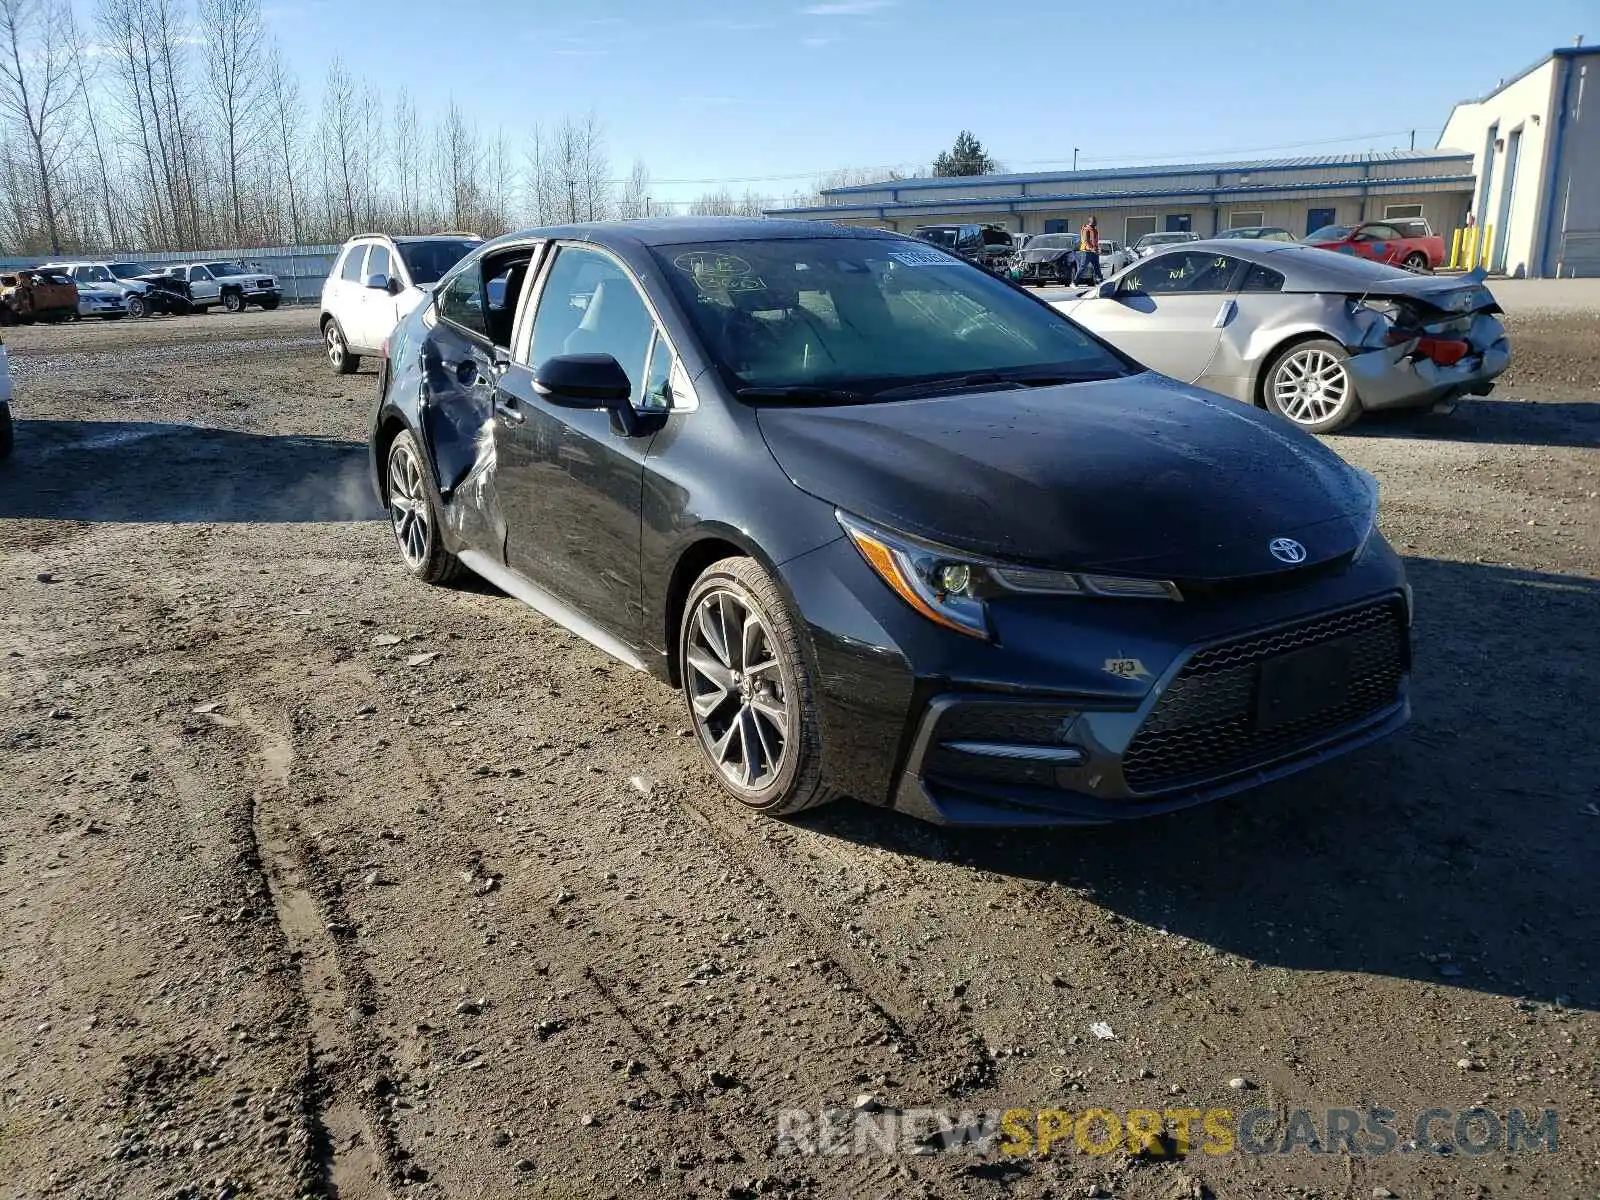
589,381
1106,290
378,282
583,381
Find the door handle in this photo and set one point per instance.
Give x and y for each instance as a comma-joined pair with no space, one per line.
1224,314
508,408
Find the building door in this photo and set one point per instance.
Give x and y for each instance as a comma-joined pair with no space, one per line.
1177,222
1513,150
1316,218
1137,227
1055,225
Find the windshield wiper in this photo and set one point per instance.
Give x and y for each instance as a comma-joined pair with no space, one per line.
991,379
804,393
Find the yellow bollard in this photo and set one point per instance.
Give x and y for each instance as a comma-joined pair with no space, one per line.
1455,249
1470,249
1486,247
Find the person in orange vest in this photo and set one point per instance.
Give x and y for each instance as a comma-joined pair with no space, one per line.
1089,250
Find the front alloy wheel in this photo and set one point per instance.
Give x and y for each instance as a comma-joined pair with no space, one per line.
414,516
1311,386
233,302
749,691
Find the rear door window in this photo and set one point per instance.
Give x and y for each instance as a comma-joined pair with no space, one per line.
1261,279
352,263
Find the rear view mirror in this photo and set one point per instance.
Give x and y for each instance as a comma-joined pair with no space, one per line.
1106,290
378,282
583,381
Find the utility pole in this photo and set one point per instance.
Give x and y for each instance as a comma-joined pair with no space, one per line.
1074,158
1413,139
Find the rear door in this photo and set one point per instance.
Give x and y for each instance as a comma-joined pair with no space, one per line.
570,482
1169,311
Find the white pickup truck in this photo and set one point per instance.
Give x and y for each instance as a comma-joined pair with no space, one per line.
229,284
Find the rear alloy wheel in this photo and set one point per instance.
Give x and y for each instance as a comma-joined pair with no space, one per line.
1311,386
415,517
233,302
1416,263
749,691
339,356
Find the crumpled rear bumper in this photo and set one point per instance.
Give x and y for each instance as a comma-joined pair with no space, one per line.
1398,377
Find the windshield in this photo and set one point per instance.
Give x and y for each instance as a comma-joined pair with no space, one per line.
222,270
863,315
1329,233
1054,241
428,261
131,270
1163,239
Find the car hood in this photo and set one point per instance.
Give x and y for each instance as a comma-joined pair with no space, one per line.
1141,474
1045,253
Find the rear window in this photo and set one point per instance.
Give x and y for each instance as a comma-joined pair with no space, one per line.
131,270
427,262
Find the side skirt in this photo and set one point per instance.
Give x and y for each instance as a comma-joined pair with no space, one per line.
536,598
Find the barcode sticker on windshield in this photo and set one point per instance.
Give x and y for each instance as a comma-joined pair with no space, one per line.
923,258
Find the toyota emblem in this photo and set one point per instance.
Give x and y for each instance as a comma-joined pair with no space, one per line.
1287,550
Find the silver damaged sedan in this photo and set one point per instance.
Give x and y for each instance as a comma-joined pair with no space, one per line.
1315,336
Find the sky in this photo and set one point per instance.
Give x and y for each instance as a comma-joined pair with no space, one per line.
768,94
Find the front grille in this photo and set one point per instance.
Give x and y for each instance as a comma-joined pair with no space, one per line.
1206,724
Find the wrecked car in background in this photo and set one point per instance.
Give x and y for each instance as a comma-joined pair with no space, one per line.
37,295
989,246
1408,243
1316,337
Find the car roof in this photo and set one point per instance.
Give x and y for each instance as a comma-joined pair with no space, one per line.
1305,268
670,231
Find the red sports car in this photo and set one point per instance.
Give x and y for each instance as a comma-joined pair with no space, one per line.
1413,249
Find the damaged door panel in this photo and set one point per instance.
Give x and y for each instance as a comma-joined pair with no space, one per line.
571,479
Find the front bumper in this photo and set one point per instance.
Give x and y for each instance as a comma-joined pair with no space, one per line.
1085,711
1396,377
257,294
107,308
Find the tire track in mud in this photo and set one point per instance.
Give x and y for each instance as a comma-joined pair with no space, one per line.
948,1047
356,1152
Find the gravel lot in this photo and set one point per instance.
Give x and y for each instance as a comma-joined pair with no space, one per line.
318,881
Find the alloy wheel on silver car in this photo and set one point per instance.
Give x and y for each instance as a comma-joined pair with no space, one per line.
336,350
1310,386
736,690
408,507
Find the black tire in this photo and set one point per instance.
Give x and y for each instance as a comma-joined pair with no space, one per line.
338,350
269,305
1314,415
795,783
5,432
414,515
112,317
1418,263
233,302
138,306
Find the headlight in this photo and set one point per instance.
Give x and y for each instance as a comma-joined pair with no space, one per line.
951,587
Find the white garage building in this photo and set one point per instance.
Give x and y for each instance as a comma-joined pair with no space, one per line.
1524,159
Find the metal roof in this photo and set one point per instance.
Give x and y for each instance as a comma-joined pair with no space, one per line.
1012,201
1313,162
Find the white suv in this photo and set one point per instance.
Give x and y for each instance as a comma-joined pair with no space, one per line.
376,280
229,284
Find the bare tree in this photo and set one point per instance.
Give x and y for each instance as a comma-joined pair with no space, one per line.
341,129
283,95
458,165
236,87
408,162
713,204
634,202
38,89
372,154
752,205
